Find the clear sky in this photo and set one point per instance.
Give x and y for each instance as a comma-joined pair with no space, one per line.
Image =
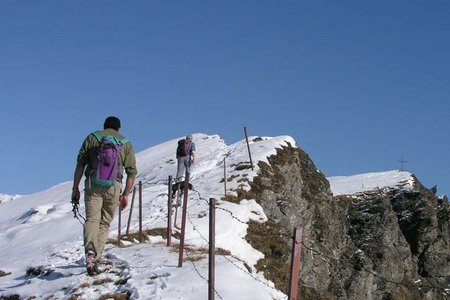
358,84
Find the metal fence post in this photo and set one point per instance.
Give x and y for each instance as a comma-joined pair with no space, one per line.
212,249
248,147
169,214
183,219
131,210
140,211
119,227
224,177
295,263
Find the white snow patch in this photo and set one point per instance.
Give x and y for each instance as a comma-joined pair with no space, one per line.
348,185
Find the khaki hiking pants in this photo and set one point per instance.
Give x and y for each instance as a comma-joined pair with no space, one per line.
101,205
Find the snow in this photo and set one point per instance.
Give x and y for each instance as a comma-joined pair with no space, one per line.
347,185
6,198
39,231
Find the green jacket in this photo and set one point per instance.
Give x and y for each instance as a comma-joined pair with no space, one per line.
126,156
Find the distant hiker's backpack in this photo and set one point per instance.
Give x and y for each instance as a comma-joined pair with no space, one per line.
184,148
106,164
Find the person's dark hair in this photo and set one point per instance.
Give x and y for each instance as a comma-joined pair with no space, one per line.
112,122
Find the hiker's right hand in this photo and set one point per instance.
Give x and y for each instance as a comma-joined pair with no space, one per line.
123,201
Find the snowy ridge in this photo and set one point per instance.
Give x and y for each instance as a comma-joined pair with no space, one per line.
5,198
41,230
348,185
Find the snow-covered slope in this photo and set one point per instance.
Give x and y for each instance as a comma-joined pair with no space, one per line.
39,236
39,231
347,185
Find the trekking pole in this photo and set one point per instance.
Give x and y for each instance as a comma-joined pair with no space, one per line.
131,210
248,147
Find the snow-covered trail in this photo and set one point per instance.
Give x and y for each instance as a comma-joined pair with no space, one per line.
41,230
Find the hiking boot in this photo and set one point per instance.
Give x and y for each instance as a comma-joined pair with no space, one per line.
91,264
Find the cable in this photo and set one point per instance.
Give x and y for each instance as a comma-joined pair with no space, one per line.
199,274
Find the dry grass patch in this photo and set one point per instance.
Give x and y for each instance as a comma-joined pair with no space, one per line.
10,297
162,232
229,179
243,179
221,251
102,281
276,262
158,232
121,281
231,198
85,285
115,296
131,237
242,166
344,198
194,258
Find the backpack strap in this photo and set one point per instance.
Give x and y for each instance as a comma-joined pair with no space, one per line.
97,136
111,138
124,141
117,141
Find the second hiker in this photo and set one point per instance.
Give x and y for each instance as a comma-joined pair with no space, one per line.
185,157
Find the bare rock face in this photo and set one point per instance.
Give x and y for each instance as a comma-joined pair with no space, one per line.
386,244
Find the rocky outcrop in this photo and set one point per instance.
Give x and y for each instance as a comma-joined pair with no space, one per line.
385,244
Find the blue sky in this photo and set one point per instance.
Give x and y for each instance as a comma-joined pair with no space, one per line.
358,84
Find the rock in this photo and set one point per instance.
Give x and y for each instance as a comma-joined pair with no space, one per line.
383,244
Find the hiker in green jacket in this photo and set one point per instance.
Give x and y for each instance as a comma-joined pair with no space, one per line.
103,157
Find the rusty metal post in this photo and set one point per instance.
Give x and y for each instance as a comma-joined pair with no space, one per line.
131,210
212,249
295,263
169,214
183,219
176,214
140,211
119,227
224,176
248,147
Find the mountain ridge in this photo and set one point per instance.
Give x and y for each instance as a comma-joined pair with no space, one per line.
25,225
